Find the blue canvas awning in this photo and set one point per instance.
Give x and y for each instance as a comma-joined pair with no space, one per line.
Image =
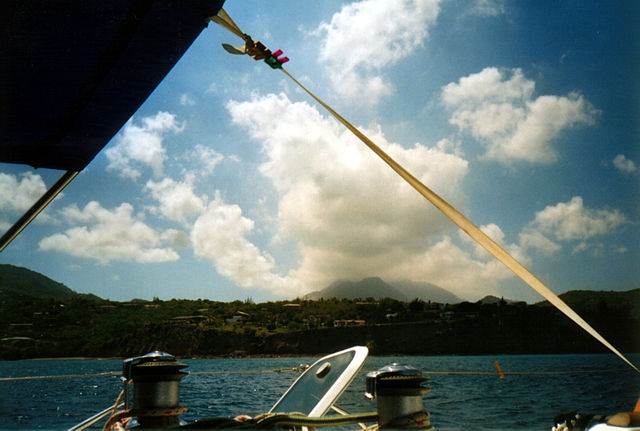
73,72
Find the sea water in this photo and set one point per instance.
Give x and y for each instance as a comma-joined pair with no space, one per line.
550,384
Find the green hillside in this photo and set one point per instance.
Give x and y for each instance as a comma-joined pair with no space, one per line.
602,301
18,284
43,318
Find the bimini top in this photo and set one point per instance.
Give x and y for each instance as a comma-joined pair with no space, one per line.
73,72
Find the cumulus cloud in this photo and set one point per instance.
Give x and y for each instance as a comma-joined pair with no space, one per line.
140,146
350,214
108,235
624,165
495,233
177,200
497,108
354,61
455,269
572,221
176,238
221,235
533,239
17,194
569,222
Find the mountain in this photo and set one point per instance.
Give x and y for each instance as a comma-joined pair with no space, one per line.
17,283
372,287
426,292
375,287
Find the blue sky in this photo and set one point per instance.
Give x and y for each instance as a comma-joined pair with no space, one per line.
230,183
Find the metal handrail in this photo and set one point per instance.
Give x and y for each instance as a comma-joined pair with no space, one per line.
95,418
32,212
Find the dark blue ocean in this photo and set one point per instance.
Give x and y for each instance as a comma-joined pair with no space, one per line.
456,401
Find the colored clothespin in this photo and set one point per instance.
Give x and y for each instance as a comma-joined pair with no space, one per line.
275,61
258,51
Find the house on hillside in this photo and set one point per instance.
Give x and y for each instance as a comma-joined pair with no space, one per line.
187,319
348,323
238,317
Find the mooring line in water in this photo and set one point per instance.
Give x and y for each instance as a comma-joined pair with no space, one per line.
118,373
496,373
67,376
289,370
277,370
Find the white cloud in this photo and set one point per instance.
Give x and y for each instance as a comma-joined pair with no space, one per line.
488,86
572,221
176,238
17,194
141,146
624,165
178,202
187,100
107,236
487,7
367,36
531,238
208,157
213,88
234,158
494,232
455,269
499,110
349,213
582,246
220,235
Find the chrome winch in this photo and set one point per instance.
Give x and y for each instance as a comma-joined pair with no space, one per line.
398,391
156,389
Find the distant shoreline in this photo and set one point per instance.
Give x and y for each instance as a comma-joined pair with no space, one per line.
276,356
86,330
252,356
73,358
